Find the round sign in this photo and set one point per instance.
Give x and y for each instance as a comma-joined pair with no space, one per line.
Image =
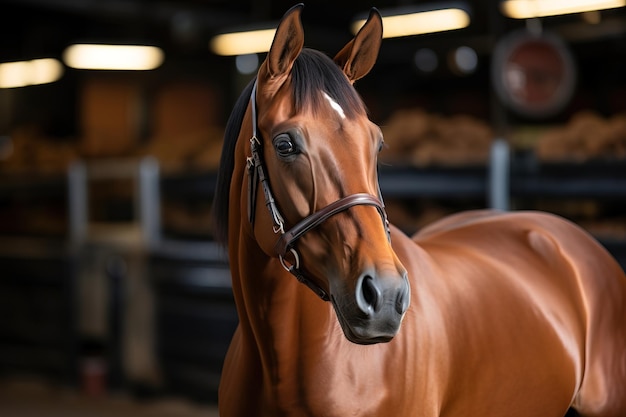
533,74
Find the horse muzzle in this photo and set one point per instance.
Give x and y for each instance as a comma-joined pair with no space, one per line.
374,312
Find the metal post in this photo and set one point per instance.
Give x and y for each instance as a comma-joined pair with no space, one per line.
77,202
149,211
498,197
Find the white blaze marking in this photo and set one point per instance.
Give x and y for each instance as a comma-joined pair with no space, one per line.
335,106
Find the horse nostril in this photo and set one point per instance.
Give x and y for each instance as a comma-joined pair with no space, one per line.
369,291
403,300
368,295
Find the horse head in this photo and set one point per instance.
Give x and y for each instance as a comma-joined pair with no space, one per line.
314,154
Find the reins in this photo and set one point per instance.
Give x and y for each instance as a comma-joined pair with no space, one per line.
286,241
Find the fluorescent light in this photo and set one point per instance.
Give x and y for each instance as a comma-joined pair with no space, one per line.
45,70
243,43
525,9
113,57
34,72
429,21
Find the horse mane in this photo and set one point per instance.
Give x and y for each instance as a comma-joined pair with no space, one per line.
227,165
312,72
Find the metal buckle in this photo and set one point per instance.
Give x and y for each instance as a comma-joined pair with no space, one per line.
296,258
279,227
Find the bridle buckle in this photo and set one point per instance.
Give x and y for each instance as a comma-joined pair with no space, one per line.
296,259
279,228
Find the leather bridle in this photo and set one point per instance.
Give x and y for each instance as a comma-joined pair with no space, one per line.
287,239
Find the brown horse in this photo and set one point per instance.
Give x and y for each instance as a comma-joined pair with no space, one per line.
481,314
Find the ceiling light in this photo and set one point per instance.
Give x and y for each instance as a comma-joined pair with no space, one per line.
34,72
525,9
400,22
113,57
243,43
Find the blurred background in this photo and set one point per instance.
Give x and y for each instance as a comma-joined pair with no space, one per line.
114,297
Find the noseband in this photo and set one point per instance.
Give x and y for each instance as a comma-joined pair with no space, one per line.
286,241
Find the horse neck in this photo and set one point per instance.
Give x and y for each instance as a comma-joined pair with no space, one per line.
282,331
272,305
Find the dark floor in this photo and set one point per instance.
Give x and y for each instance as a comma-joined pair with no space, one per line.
35,398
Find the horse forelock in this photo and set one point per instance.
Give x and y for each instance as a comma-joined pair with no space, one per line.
314,78
314,75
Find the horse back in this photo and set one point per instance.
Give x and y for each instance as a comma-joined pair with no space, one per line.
562,272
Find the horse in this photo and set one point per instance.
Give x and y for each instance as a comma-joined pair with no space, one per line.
483,313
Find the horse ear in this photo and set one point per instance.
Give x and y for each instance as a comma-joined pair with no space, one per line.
287,44
358,57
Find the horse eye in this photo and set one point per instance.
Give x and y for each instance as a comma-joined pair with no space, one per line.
284,145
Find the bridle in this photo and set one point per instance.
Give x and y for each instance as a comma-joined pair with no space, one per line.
287,239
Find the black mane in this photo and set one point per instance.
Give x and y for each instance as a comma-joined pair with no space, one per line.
227,165
312,72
